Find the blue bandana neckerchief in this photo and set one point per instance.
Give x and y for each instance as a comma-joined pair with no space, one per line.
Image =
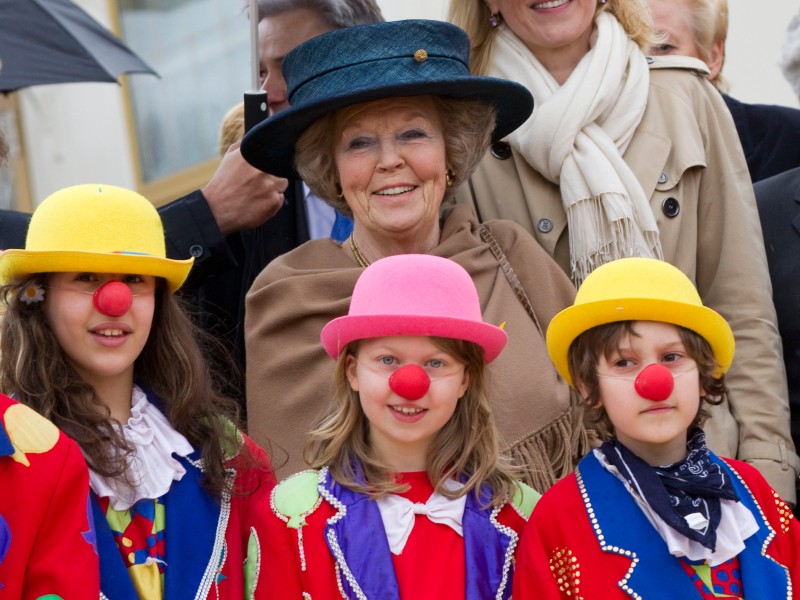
692,485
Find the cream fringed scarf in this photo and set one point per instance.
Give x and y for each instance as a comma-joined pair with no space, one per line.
576,138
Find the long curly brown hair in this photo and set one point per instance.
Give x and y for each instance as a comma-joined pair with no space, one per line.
34,368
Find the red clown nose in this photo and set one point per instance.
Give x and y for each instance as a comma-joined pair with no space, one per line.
654,382
113,299
410,382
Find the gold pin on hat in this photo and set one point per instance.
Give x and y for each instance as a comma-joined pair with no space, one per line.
420,55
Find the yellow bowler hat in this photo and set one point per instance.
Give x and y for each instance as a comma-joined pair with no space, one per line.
95,228
637,289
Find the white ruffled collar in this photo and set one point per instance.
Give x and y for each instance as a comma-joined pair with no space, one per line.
735,526
152,467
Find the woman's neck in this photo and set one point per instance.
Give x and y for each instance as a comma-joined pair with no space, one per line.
115,394
370,245
561,61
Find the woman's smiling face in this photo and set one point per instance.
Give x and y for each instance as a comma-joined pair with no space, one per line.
548,26
391,161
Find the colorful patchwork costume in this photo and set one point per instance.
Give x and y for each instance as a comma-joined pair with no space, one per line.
609,549
47,546
327,542
186,544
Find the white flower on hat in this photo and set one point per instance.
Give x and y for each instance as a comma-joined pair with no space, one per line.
32,294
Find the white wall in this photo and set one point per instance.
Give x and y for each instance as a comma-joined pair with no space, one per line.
756,34
395,10
78,133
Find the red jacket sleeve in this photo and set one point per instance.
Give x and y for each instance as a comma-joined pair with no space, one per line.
52,546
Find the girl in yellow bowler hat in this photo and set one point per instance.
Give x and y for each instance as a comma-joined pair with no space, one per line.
94,339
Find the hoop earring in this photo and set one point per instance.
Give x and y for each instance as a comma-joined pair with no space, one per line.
449,177
339,193
495,18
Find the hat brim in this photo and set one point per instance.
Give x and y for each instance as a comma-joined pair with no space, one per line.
270,145
16,264
573,321
341,331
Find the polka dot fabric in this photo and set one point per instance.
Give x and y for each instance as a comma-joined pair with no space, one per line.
725,580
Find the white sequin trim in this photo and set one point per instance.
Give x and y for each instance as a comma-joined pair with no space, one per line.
509,557
338,555
300,547
518,510
622,583
770,536
210,576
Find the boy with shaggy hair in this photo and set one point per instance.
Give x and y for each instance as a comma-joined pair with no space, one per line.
653,513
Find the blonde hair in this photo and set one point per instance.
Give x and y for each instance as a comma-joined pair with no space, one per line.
708,22
467,127
467,448
232,128
473,17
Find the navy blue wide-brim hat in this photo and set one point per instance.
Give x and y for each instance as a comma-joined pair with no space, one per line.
371,62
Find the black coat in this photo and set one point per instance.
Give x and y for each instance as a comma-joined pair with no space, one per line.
13,229
226,266
778,201
770,136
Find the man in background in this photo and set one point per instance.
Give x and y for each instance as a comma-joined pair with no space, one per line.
243,218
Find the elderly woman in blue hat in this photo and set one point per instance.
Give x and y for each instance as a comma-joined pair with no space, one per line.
386,122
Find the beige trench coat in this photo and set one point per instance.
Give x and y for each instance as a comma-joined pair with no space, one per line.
687,156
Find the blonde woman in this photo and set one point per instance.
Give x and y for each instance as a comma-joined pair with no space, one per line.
628,155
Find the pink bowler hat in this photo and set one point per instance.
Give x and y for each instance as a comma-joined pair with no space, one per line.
414,294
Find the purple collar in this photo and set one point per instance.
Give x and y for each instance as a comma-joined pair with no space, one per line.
357,542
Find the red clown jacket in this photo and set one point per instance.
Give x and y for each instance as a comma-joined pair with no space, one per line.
47,541
587,538
327,542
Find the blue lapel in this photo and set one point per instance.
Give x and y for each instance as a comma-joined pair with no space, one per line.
115,583
195,536
6,447
762,577
654,573
488,552
357,540
193,550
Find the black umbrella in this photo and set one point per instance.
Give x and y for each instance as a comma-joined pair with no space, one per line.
56,41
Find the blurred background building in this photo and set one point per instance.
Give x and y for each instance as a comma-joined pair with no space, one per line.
159,135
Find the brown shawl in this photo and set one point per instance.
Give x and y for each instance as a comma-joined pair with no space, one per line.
290,378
